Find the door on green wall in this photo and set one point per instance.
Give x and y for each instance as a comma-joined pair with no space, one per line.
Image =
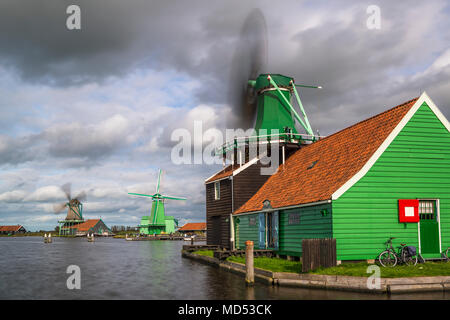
272,230
262,231
429,226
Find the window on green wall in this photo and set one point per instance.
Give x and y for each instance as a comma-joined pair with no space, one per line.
252,221
427,209
294,218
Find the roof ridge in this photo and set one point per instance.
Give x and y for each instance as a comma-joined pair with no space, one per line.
370,118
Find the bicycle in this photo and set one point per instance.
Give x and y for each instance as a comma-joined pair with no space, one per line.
446,254
405,254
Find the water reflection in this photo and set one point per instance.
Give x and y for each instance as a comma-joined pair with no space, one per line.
119,269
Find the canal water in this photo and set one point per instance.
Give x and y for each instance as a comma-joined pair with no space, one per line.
119,269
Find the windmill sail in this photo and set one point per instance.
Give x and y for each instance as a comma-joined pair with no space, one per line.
157,222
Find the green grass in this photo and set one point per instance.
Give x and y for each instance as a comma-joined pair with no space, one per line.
352,269
360,270
346,269
271,264
208,253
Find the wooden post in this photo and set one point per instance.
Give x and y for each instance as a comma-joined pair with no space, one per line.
249,267
192,241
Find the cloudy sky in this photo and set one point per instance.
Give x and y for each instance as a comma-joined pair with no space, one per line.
96,107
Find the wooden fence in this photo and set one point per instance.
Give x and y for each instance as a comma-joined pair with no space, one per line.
318,253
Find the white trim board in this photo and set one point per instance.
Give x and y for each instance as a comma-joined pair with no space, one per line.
245,166
361,173
235,171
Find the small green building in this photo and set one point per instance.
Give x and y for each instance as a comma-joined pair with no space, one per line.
351,184
163,224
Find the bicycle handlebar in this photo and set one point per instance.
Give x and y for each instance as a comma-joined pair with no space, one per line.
390,240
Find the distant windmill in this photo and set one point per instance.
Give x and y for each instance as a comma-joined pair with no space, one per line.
74,210
157,222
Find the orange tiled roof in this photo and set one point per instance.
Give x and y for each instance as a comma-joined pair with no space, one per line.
10,228
85,226
193,227
226,172
339,157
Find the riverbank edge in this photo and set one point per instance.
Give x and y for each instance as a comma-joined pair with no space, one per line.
330,282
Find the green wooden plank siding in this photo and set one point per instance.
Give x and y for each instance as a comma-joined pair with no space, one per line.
415,165
312,225
244,231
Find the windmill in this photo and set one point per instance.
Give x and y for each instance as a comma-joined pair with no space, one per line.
263,101
157,222
74,210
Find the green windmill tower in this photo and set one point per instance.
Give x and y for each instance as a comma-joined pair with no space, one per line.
267,103
157,222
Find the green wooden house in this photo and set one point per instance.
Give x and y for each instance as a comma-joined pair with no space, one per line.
350,186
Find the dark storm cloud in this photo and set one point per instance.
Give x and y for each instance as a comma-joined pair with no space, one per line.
116,36
36,42
199,38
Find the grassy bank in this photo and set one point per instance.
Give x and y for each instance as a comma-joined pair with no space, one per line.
427,269
347,269
271,264
208,253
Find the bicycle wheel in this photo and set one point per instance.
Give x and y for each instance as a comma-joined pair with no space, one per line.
387,259
408,259
447,254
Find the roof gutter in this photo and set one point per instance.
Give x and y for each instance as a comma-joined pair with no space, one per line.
286,208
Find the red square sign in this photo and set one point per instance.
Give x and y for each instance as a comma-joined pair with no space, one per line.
408,210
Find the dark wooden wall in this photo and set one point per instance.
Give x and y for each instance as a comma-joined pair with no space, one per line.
232,196
217,214
247,183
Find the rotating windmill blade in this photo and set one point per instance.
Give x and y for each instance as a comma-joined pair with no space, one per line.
74,205
66,188
81,196
249,60
59,207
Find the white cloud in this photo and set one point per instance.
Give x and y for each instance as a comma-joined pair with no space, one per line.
48,193
107,192
44,218
13,196
76,139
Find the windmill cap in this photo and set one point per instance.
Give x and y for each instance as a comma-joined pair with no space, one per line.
263,80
